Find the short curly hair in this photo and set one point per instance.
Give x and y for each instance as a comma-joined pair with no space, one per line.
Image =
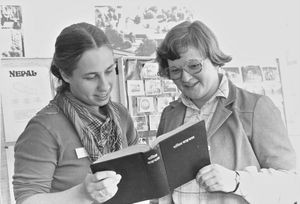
189,34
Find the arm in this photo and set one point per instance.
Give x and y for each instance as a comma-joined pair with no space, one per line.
99,187
36,157
277,178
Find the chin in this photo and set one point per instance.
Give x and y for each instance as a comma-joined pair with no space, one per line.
102,103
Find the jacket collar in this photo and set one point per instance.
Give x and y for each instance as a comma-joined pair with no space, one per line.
223,111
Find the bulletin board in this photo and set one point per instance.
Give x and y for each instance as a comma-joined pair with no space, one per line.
144,93
265,80
21,84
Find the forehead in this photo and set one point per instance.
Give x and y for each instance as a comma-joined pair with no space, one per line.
191,53
95,60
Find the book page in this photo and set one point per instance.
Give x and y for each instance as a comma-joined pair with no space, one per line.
124,152
171,133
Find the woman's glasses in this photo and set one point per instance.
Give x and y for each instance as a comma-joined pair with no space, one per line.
193,67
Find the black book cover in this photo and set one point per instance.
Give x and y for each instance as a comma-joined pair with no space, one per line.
152,171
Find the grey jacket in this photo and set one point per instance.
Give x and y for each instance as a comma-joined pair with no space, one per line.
246,130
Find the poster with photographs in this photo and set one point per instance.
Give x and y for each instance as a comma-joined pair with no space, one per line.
271,74
153,87
149,70
140,123
136,30
252,74
12,44
168,86
135,87
234,74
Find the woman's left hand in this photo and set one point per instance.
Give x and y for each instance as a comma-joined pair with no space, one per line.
215,177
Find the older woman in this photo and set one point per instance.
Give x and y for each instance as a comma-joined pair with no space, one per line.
252,158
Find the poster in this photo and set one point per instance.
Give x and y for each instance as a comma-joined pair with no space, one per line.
24,90
136,30
11,34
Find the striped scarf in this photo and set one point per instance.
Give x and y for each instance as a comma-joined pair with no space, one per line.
98,133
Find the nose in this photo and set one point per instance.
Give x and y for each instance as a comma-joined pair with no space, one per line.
103,84
185,76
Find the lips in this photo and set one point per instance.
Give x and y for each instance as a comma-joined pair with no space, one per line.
102,95
189,85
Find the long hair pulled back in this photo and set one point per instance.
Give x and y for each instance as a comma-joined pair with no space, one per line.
71,43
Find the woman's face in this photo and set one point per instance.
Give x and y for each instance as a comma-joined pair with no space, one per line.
201,85
92,80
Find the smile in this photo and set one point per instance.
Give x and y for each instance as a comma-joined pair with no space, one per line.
103,95
190,84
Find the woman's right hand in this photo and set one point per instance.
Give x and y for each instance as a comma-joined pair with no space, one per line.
102,185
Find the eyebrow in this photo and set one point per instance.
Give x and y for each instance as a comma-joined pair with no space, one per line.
110,66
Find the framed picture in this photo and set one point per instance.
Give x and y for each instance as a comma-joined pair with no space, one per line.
252,74
270,74
135,87
153,87
149,70
233,74
140,123
145,104
11,17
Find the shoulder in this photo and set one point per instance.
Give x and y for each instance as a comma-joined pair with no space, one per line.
247,101
122,111
176,105
50,113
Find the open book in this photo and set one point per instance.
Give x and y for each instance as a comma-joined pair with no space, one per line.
154,170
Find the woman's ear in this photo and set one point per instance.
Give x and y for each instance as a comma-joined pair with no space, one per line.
64,76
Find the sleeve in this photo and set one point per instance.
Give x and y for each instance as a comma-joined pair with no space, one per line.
277,179
36,153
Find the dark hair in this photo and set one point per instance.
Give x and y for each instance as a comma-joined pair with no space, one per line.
187,34
71,43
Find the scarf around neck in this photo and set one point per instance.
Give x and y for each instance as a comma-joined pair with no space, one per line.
99,133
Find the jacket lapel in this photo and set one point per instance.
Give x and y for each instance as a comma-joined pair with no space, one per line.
175,115
223,111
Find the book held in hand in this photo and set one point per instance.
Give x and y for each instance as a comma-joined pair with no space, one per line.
155,170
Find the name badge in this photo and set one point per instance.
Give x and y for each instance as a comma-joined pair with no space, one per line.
81,152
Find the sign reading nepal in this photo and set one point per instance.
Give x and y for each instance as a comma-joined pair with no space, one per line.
22,73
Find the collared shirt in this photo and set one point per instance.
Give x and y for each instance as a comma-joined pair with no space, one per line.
191,192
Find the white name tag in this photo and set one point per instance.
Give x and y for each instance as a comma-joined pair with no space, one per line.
81,152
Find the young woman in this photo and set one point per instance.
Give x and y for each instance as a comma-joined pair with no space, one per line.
54,153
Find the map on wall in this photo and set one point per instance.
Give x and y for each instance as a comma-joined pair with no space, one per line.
138,30
11,35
